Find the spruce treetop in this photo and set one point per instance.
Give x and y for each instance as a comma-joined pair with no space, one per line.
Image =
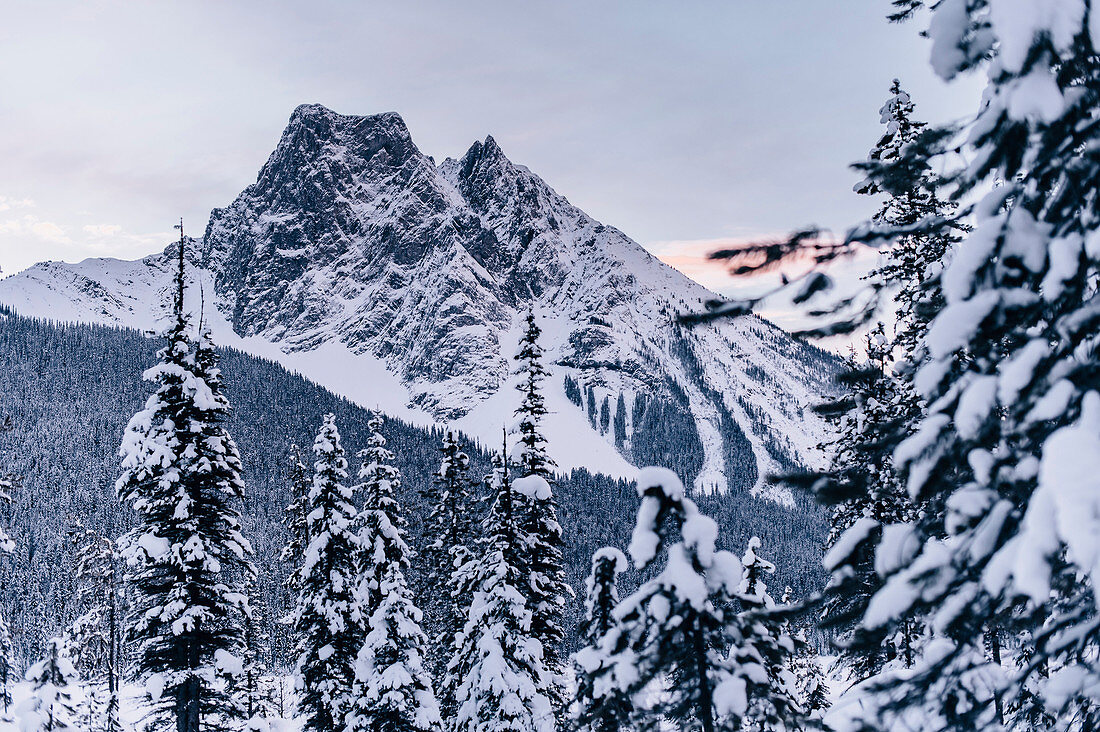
531,456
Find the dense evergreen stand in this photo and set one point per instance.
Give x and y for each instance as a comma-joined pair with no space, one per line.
682,624
393,692
451,538
497,674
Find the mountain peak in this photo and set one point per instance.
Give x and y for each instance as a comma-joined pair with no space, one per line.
320,142
326,123
482,154
352,239
490,146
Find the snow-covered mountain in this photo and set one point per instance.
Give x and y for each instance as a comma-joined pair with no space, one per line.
358,261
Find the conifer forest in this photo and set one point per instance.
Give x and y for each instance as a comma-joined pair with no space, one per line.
399,444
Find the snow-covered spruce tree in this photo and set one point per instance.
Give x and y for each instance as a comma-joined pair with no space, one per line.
805,666
602,597
753,589
1005,459
94,636
452,536
252,679
813,687
912,263
7,484
8,672
546,589
392,690
380,524
881,403
49,707
300,480
769,631
497,672
328,619
866,422
530,453
187,556
682,625
602,592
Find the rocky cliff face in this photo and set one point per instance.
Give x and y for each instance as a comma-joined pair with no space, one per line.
352,236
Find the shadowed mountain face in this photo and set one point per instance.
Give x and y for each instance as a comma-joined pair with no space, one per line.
352,236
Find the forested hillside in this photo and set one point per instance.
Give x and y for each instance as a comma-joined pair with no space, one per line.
70,389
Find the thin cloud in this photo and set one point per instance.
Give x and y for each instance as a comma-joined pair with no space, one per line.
692,258
98,231
27,239
31,226
7,203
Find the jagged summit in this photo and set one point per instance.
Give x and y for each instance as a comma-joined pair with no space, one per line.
327,122
352,239
482,153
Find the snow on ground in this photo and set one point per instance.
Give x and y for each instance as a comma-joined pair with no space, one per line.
89,295
571,441
742,366
132,713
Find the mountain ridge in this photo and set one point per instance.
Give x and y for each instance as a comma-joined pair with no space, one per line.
352,238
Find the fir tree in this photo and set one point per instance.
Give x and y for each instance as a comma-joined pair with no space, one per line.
913,261
769,632
620,421
545,588
1003,460
300,480
7,669
531,457
862,473
862,482
181,475
94,636
590,399
49,707
753,589
328,619
880,403
7,546
602,597
379,482
392,690
453,538
681,625
863,487
497,673
7,484
7,662
813,688
602,592
255,702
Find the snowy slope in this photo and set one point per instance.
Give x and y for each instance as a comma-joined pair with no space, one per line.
357,261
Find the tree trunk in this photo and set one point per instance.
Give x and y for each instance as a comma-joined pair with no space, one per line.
706,700
993,638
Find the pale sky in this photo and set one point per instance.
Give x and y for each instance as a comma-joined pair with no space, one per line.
682,123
